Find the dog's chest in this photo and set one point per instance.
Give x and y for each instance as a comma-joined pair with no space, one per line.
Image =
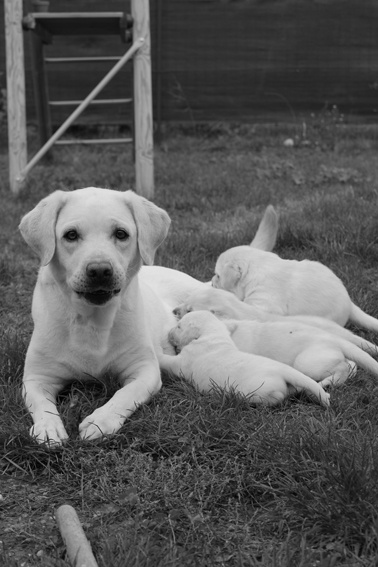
91,350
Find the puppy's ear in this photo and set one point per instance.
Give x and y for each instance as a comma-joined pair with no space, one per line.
190,334
152,225
232,273
266,235
38,226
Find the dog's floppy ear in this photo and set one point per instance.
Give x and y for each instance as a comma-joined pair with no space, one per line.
152,225
38,226
231,274
266,235
190,334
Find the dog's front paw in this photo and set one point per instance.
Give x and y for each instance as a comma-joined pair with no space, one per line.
49,432
98,424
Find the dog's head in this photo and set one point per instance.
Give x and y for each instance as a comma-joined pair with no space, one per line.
95,240
192,326
231,268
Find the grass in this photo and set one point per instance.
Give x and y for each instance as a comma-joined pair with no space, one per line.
193,479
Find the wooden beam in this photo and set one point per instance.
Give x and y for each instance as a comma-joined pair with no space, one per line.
82,106
15,91
143,131
79,549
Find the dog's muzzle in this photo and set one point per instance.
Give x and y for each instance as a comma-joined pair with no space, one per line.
100,283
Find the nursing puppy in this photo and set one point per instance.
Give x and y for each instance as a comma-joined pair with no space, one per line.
318,354
226,305
287,287
208,356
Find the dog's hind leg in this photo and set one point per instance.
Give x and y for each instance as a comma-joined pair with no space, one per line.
323,364
341,373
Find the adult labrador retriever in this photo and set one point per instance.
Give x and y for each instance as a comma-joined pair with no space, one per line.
94,309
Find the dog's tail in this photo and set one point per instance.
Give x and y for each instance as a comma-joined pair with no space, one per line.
360,357
362,319
301,382
266,235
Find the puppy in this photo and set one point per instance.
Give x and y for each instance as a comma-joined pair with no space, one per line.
208,356
287,287
318,354
225,305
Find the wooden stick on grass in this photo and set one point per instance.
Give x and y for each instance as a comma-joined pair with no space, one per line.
78,547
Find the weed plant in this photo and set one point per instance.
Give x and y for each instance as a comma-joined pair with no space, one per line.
194,479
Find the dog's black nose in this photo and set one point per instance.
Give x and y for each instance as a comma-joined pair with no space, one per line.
176,311
99,271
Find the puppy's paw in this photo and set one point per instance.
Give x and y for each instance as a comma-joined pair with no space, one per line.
98,424
49,432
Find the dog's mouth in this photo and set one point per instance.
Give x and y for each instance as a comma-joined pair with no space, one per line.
99,297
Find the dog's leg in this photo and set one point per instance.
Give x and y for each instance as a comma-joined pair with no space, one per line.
321,363
138,388
341,373
40,393
170,364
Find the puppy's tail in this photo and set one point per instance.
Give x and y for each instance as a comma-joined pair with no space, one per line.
266,235
362,319
301,382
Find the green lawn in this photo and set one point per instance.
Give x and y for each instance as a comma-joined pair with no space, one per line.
193,479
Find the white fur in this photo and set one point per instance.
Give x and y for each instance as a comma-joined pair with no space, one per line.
208,356
225,304
76,338
287,287
319,354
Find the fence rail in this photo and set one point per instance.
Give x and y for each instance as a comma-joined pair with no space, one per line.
229,60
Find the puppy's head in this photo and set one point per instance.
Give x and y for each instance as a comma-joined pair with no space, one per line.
230,270
192,326
95,239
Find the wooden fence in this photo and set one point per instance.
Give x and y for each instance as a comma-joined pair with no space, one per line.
240,60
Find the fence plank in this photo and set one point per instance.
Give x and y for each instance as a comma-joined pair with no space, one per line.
15,91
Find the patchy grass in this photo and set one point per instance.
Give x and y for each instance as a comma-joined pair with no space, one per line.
195,479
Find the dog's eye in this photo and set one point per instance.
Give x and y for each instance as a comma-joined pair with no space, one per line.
71,235
121,234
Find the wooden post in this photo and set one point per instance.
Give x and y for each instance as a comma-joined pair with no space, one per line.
15,91
78,547
98,88
40,88
143,131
